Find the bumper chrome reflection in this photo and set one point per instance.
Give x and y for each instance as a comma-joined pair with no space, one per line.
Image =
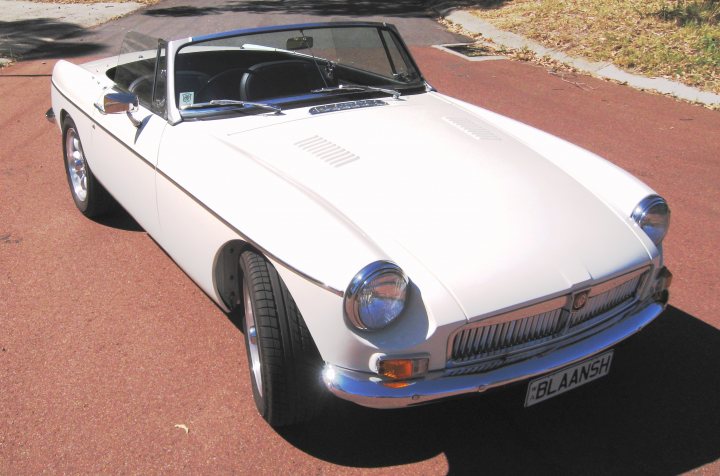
367,390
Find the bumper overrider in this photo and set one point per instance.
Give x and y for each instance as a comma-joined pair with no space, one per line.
369,390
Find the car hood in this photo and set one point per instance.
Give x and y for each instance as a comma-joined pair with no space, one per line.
436,187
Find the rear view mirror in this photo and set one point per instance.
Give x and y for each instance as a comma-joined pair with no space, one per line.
299,43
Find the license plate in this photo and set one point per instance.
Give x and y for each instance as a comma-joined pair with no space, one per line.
561,381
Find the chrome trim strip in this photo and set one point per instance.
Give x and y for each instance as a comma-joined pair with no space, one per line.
521,313
345,106
365,389
243,236
608,285
247,239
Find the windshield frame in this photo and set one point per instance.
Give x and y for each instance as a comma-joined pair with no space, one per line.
176,115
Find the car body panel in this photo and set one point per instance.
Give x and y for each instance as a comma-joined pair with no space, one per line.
508,245
486,215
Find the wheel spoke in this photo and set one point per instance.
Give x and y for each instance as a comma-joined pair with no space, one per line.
76,165
252,340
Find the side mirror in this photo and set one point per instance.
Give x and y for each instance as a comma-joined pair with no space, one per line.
117,103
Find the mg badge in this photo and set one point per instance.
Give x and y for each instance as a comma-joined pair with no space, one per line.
580,300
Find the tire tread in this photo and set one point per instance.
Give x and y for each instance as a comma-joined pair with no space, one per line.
289,358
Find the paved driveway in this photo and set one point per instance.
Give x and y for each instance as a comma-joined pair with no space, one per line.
105,345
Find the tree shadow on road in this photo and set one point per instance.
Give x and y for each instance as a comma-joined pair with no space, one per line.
401,8
43,38
658,412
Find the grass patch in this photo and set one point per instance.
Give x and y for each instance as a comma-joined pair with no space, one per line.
675,39
692,13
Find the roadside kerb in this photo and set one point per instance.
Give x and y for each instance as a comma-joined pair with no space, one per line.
475,25
18,18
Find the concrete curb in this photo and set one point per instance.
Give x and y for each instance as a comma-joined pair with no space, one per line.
473,24
32,25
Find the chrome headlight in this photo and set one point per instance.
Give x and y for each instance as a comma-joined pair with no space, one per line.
376,295
652,214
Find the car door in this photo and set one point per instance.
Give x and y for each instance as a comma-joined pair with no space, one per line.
126,148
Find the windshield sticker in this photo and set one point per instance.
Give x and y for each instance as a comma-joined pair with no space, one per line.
187,99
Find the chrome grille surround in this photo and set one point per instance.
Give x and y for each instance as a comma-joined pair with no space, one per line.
605,297
500,340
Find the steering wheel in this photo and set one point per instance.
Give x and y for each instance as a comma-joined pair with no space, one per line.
142,87
224,85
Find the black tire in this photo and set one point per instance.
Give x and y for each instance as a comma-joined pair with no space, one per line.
287,384
87,192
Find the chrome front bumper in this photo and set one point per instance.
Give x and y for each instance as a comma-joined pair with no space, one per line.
368,390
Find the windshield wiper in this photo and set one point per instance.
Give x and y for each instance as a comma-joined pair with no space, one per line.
231,102
395,94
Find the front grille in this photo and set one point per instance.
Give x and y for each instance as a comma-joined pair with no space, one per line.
495,338
603,302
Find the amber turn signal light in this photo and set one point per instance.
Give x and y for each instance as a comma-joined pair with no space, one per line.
402,369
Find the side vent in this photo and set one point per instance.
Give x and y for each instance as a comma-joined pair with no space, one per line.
471,128
331,154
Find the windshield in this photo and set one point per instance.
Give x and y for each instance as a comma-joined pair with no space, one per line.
293,67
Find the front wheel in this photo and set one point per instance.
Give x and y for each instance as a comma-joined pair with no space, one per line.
89,195
285,365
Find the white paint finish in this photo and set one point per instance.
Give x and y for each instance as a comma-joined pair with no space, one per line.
262,205
75,83
491,219
116,161
191,235
117,164
619,189
484,214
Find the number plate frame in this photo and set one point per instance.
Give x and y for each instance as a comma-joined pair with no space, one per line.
568,378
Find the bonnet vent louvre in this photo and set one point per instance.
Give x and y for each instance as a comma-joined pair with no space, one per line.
471,128
331,154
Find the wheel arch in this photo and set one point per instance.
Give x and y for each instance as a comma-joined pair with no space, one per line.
226,272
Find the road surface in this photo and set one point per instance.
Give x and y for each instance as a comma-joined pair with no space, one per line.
107,349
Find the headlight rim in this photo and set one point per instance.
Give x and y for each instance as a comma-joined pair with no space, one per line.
643,208
365,276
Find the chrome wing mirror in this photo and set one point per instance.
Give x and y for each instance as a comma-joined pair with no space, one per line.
117,103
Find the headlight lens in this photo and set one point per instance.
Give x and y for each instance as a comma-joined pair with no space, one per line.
652,214
376,295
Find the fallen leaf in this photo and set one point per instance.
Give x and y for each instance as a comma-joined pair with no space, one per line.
183,427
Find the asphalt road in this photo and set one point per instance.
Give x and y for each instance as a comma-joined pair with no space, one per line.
105,345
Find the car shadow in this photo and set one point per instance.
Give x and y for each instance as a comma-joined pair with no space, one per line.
119,219
43,38
658,412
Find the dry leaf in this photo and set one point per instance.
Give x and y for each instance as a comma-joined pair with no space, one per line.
183,427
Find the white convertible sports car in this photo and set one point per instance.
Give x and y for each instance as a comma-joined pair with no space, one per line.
382,241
